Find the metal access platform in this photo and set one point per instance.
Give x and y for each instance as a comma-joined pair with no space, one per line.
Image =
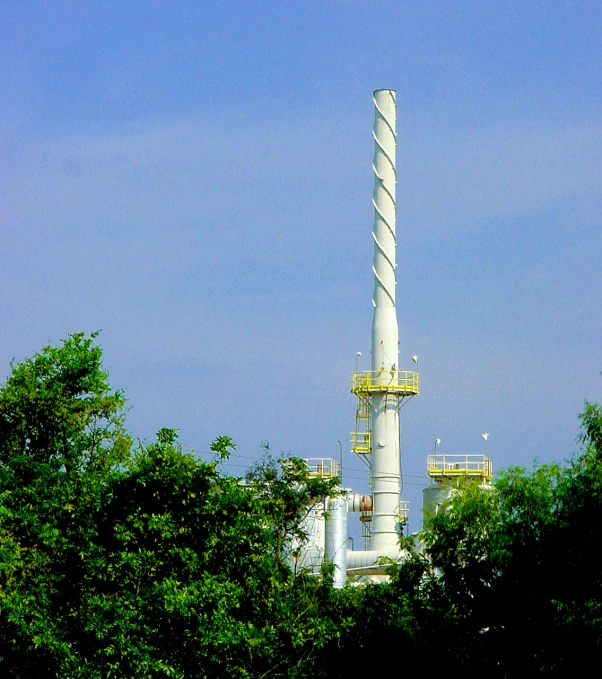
446,466
399,382
324,467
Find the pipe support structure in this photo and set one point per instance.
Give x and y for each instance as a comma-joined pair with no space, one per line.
336,539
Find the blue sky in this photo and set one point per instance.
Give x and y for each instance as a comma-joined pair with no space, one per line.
195,180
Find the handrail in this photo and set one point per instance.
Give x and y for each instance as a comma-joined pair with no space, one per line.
402,382
324,467
404,508
360,442
459,465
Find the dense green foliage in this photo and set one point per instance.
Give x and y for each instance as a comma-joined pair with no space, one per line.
143,561
146,562
516,572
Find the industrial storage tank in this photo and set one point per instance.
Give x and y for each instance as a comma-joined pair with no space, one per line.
434,497
447,474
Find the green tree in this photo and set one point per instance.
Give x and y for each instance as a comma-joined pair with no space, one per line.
508,582
148,562
514,571
190,578
576,540
287,492
57,409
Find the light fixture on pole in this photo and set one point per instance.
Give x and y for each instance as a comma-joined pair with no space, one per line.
486,437
437,443
415,359
357,357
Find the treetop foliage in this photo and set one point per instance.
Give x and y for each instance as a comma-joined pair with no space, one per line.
57,408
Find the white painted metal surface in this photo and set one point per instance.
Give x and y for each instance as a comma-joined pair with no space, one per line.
385,461
373,561
434,497
309,555
336,539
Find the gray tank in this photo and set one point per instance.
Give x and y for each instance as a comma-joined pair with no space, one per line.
433,497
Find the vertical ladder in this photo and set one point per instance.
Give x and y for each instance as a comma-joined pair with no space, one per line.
360,438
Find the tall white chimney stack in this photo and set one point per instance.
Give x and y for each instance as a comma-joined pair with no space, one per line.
381,390
385,461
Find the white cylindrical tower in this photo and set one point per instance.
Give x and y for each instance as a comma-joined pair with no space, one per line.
385,460
381,390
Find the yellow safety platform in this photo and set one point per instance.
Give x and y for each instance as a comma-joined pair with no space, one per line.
324,467
400,384
440,466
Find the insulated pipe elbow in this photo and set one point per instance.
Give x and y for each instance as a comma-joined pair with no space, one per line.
371,557
356,502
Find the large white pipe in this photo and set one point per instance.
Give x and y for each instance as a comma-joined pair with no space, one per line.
385,462
356,502
373,561
336,539
371,557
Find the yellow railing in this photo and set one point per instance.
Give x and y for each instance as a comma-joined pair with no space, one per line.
366,519
459,465
325,467
404,508
400,382
360,442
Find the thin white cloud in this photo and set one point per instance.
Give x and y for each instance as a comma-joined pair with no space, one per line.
456,182
198,169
